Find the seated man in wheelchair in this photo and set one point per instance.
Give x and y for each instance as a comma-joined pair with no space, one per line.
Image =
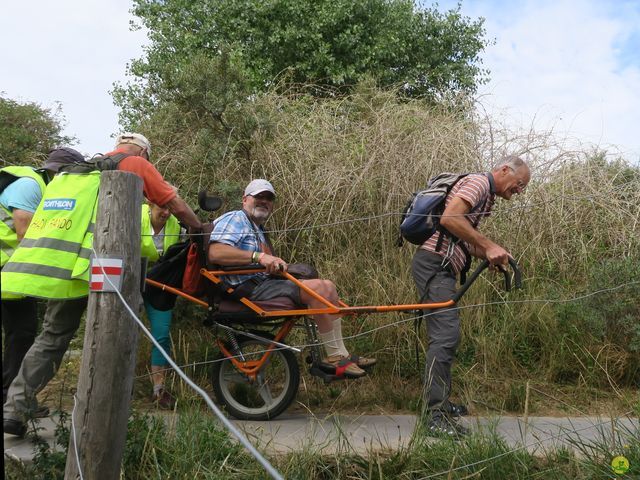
238,238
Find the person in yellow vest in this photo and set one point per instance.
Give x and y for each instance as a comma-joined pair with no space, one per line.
159,231
52,262
21,190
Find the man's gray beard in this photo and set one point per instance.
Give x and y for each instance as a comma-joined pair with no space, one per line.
260,216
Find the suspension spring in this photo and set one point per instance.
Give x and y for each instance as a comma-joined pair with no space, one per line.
235,347
312,339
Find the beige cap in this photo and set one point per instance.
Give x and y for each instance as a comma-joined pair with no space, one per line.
135,139
258,186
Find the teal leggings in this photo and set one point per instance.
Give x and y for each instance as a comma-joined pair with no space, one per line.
160,325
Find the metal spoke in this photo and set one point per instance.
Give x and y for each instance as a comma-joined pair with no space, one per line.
265,392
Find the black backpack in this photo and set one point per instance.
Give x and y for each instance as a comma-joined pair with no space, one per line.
421,215
98,162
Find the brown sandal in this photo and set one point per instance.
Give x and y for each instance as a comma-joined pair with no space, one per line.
345,368
363,362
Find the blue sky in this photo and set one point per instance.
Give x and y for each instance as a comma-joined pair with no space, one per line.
71,52
568,65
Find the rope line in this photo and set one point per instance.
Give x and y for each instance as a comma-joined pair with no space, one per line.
428,314
495,457
73,429
226,422
499,209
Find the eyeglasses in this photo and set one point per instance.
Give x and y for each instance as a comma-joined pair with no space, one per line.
521,185
265,196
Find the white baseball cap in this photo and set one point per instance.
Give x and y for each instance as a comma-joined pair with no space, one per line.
257,186
135,139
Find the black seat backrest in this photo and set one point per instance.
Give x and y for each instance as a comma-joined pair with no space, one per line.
209,203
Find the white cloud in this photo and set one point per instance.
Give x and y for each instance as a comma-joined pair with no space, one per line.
559,62
69,51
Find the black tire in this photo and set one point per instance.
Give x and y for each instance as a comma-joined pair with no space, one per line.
278,380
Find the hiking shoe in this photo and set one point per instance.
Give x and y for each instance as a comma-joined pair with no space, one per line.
344,367
441,426
164,400
14,427
456,411
363,362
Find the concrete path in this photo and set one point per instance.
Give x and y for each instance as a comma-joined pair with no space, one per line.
365,433
22,448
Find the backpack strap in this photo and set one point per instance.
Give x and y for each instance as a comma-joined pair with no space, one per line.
467,263
110,162
492,183
6,179
245,288
267,240
97,163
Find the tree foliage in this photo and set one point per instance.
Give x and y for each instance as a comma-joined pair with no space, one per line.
28,131
329,43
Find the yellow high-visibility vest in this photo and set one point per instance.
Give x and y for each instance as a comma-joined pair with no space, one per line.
52,261
8,235
171,235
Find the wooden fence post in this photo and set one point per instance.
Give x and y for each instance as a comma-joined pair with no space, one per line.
111,337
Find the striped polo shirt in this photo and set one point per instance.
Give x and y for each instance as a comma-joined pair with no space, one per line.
475,190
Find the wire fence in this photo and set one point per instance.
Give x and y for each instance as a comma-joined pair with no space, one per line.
412,318
243,440
225,421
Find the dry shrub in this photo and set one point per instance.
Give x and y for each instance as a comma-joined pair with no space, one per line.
343,168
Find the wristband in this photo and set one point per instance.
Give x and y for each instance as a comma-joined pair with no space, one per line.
253,257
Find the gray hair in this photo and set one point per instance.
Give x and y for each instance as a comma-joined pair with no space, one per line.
512,161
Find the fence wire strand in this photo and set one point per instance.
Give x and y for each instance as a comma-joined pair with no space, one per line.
240,437
522,447
415,317
225,421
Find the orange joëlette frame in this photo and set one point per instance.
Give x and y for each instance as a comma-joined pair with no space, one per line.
252,367
331,309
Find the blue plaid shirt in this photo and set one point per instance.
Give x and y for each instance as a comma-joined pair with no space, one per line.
234,228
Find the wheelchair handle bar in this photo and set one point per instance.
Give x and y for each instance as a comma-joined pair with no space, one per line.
517,275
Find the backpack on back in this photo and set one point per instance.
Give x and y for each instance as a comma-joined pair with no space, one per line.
98,162
6,179
421,216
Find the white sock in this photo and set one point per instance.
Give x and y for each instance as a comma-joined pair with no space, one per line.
331,347
337,336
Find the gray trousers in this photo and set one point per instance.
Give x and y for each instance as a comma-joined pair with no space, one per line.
443,328
20,326
41,362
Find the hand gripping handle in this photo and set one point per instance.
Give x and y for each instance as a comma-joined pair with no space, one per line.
517,275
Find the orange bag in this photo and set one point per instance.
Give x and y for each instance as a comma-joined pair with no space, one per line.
192,282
